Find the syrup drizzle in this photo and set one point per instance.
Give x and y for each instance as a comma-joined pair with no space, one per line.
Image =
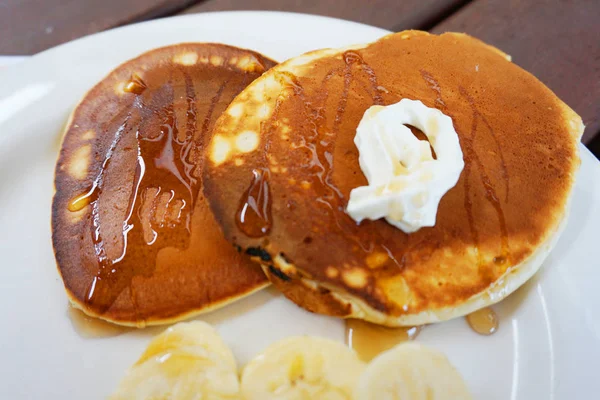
254,212
253,216
471,158
435,86
83,200
483,321
352,57
491,196
319,144
135,85
189,153
211,109
477,114
89,327
369,340
162,157
157,161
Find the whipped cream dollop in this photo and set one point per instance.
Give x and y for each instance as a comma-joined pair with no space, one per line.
406,183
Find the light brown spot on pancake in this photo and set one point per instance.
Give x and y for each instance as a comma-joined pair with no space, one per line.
285,130
272,86
120,88
263,111
355,277
305,185
236,111
247,141
220,150
332,272
233,60
377,259
244,61
472,250
74,216
250,64
80,161
238,162
257,96
88,135
187,58
217,61
396,290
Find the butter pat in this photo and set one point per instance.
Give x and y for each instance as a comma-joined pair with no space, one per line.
406,183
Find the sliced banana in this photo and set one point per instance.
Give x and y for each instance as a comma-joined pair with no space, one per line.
189,361
301,368
411,371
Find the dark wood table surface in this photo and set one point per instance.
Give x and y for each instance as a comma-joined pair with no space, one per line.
557,40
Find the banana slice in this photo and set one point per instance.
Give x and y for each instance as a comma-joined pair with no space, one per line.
301,368
187,361
411,371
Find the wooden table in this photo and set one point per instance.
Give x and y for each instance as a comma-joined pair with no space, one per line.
557,40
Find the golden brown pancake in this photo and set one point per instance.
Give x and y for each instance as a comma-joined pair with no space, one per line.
135,240
284,191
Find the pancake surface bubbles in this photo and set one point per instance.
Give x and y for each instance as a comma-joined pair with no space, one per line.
283,196
134,238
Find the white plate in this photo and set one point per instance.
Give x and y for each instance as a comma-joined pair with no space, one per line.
548,344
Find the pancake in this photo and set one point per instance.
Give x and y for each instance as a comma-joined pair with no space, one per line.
282,196
134,238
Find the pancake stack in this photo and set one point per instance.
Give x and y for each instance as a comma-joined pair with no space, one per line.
152,190
134,238
282,162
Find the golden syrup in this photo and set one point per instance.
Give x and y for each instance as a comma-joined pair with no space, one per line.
253,216
164,126
435,86
484,321
369,340
491,194
83,200
89,327
351,57
159,165
135,85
